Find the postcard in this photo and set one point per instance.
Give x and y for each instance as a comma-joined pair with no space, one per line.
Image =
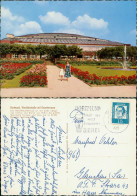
68,49
55,138
68,147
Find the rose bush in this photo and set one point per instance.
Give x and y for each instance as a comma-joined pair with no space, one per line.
36,76
39,69
33,80
9,70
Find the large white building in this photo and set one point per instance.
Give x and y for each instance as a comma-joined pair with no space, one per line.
89,44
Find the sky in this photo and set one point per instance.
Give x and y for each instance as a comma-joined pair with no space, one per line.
111,20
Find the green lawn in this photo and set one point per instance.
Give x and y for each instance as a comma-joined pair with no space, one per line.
104,72
15,82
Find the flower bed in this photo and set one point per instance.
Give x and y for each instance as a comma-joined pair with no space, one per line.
33,80
37,76
9,70
39,69
94,79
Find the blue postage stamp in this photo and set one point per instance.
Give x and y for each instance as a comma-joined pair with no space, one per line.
120,113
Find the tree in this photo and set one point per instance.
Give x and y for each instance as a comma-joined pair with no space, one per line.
110,52
30,49
74,51
57,51
62,50
102,54
41,50
131,51
22,49
119,51
18,49
5,49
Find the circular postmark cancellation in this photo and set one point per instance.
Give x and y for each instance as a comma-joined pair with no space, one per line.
115,127
78,118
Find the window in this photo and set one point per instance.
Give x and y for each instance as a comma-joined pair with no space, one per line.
24,56
15,56
32,56
87,57
94,57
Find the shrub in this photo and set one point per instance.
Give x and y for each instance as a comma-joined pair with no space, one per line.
36,76
33,80
92,63
21,61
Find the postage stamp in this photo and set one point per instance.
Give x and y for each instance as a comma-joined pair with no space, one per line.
120,113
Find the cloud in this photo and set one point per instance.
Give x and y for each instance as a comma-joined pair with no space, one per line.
87,22
69,30
17,25
7,15
84,25
133,32
28,28
81,22
54,18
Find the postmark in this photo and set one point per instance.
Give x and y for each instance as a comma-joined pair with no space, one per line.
86,119
78,118
120,113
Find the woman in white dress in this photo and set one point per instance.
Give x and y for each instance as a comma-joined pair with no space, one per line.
61,73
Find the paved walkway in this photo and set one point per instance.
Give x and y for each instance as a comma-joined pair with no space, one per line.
72,88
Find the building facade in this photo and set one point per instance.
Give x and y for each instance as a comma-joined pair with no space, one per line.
90,45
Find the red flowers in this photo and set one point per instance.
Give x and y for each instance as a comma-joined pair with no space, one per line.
94,79
35,77
9,70
33,80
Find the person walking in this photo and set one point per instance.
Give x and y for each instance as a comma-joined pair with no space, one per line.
67,71
61,74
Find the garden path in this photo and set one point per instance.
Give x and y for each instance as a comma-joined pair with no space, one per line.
72,88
